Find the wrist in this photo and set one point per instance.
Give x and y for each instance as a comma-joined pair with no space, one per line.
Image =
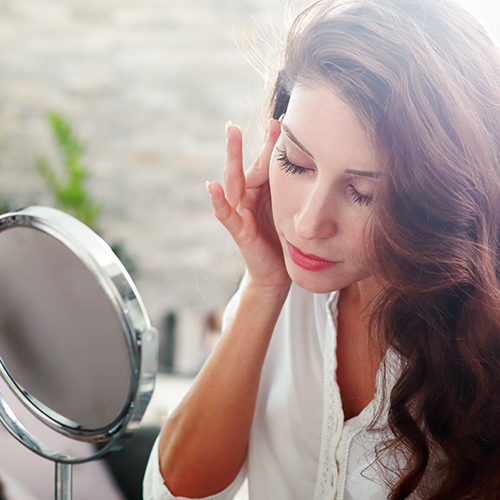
272,292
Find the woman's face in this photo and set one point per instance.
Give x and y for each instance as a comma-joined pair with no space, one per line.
323,174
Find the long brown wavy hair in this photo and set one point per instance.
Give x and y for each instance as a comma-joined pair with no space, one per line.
424,78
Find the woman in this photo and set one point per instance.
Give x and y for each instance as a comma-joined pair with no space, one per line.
361,355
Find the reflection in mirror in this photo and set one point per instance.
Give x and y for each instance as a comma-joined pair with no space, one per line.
77,352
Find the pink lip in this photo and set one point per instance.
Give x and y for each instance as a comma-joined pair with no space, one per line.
308,262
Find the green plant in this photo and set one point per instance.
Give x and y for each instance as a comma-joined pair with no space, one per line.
69,188
4,206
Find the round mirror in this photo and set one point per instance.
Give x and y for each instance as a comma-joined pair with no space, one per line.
76,346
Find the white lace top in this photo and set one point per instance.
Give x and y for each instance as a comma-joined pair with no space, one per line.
300,446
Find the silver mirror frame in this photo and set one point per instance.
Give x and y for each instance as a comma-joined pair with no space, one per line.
141,338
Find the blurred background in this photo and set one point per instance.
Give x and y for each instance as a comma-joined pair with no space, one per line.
115,110
146,88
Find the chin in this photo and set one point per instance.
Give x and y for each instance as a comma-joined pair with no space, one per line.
315,289
314,283
323,281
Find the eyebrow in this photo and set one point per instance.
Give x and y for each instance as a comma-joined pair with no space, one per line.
360,173
363,173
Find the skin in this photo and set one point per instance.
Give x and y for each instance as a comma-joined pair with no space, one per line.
204,442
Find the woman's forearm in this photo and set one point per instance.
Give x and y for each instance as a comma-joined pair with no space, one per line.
204,442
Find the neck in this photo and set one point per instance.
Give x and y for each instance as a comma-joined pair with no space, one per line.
361,295
358,357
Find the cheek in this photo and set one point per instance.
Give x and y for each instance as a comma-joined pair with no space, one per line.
359,243
285,197
274,170
276,188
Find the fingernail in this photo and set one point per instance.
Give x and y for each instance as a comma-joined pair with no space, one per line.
228,124
207,185
280,119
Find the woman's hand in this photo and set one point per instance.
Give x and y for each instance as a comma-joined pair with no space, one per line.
204,441
245,209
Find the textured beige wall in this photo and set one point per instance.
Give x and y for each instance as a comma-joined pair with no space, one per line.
148,86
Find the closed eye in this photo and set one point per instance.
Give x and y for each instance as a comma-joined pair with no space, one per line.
287,166
359,198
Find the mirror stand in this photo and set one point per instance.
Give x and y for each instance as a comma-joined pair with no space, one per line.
78,355
63,481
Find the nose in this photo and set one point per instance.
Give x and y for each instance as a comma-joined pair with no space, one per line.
316,218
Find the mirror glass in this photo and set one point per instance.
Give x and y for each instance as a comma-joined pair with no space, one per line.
61,340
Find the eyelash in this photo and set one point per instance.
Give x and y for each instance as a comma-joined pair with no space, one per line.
357,197
291,168
287,166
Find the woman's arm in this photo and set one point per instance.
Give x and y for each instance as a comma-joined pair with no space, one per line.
203,444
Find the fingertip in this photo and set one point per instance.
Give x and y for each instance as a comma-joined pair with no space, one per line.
210,185
220,205
275,126
215,190
234,138
273,130
211,188
231,127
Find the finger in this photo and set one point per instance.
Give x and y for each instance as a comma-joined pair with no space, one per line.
224,212
274,132
234,177
258,173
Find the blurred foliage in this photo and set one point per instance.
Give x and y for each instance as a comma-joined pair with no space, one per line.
127,260
4,206
69,187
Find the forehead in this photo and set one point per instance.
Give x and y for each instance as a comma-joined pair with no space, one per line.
329,127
